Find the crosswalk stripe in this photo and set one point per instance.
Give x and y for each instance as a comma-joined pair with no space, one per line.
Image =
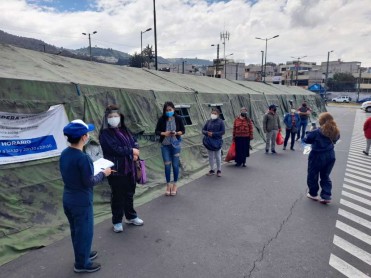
355,207
356,177
345,268
359,157
352,249
357,198
361,184
358,172
353,232
357,166
354,218
366,163
364,192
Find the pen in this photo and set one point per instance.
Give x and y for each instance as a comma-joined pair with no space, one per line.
111,170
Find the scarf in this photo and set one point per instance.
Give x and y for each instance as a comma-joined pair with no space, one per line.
127,140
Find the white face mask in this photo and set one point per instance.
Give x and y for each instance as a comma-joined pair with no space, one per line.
114,121
213,116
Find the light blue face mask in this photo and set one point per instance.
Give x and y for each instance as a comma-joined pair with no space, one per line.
169,113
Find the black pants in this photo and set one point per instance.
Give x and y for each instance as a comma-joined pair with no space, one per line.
288,133
242,149
122,197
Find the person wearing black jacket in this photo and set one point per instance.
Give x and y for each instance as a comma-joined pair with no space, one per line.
120,147
170,128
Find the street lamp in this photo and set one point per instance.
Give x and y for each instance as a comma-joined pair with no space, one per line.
141,45
266,43
297,67
328,60
90,43
225,65
217,58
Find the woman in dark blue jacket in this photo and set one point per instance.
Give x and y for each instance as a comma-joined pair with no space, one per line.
213,130
170,128
120,147
78,177
321,159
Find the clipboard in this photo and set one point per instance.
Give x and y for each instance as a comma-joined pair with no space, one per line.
100,164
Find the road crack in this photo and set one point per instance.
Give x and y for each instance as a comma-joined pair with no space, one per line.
261,257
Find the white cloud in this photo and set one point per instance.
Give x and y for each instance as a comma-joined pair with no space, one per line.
187,28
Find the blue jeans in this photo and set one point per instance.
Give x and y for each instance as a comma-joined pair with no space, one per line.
82,227
170,155
319,167
302,128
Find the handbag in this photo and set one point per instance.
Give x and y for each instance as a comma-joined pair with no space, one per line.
231,155
279,138
212,144
141,173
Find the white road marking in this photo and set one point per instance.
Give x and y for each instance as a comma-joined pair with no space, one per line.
353,232
355,207
355,218
352,249
345,268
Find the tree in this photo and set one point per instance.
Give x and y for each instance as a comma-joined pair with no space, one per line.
148,55
342,82
136,61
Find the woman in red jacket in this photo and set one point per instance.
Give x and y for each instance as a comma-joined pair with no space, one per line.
243,133
367,131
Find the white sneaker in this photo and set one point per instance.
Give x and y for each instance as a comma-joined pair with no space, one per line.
136,221
117,228
314,198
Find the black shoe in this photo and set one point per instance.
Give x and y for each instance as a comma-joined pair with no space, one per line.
237,164
93,255
273,151
284,148
365,153
92,268
243,165
266,150
292,149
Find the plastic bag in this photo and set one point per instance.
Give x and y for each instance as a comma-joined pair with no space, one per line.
231,155
279,138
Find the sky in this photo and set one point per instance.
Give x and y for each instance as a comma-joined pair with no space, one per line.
188,28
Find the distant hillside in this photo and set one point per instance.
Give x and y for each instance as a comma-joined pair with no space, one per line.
103,55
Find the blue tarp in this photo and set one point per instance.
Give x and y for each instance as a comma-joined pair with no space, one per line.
317,88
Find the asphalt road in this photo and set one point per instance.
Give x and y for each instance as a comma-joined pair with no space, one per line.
251,222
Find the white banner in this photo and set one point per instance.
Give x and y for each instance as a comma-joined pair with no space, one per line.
25,137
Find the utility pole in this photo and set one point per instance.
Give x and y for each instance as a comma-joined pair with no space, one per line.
328,60
225,36
43,46
261,75
155,29
236,71
297,68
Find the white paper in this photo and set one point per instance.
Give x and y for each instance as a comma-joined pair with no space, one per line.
102,164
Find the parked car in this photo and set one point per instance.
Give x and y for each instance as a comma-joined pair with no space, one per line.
366,106
341,99
364,99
